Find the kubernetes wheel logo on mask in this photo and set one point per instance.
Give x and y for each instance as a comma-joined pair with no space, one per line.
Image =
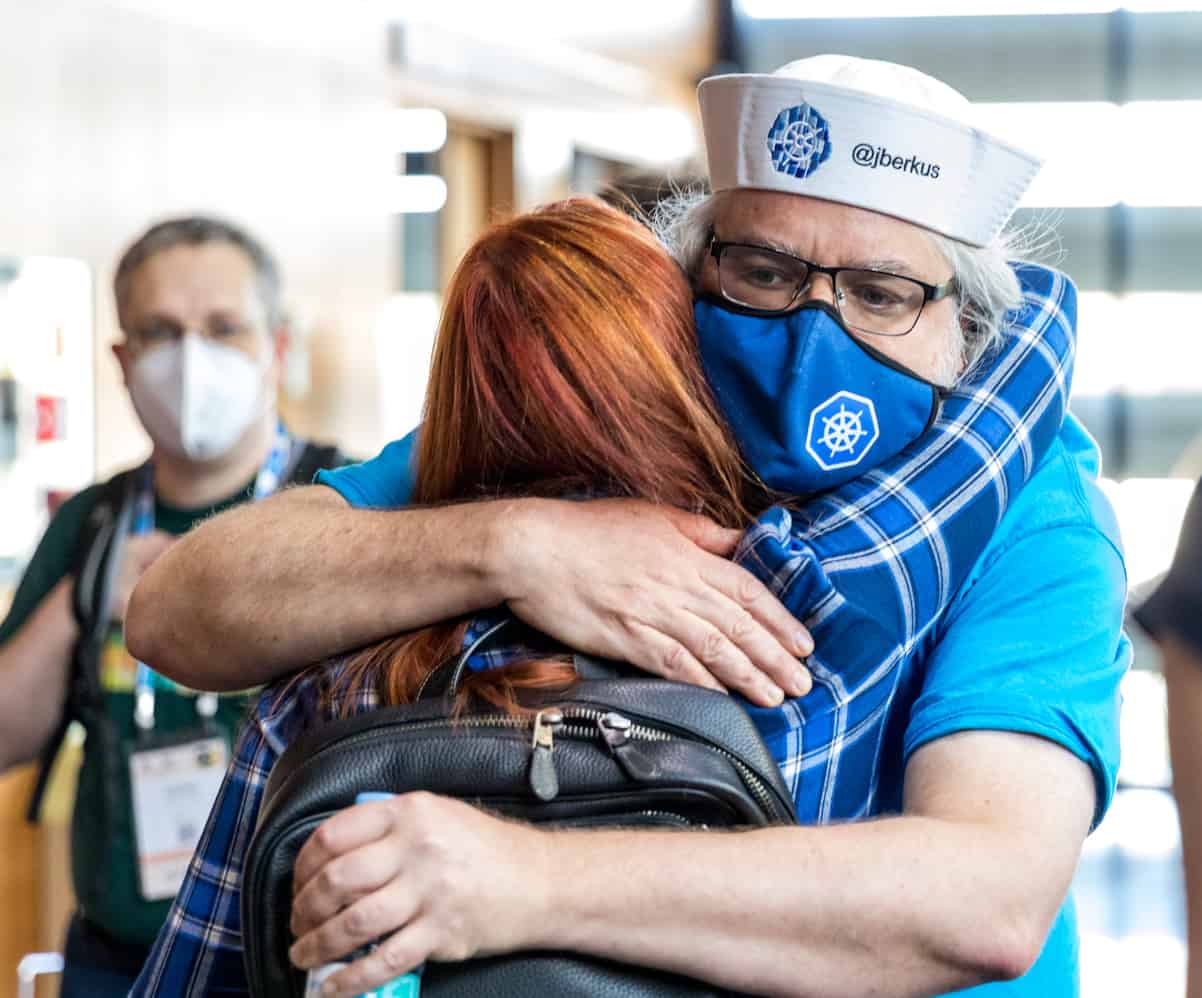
842,431
799,141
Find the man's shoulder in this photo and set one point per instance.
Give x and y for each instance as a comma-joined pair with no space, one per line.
1062,494
1062,515
384,482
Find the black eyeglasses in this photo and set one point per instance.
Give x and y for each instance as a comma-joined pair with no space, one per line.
219,328
869,301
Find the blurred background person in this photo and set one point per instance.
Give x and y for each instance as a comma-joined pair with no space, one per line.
1172,616
199,302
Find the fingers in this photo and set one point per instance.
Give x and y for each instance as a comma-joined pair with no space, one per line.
761,630
369,918
739,585
724,660
664,656
397,955
704,532
666,599
751,659
342,881
349,829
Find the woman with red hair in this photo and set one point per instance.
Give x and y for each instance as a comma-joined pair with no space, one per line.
566,366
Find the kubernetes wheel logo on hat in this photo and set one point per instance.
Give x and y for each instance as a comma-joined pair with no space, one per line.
842,430
799,141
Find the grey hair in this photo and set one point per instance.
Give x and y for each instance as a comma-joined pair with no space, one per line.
199,230
988,286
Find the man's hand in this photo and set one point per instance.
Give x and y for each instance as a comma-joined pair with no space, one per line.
652,586
140,552
440,879
959,890
627,580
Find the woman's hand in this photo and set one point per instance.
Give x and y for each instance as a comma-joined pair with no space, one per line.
430,877
652,586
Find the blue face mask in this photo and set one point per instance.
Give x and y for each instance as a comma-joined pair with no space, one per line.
811,406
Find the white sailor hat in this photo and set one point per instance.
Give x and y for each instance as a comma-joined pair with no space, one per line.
870,134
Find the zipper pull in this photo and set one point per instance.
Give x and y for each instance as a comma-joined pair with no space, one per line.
544,781
617,731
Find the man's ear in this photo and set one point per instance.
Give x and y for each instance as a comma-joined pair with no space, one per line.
281,340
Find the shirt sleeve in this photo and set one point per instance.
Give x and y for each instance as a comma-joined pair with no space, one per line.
1175,608
1035,646
199,948
384,482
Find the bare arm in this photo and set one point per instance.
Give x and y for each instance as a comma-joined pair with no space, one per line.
959,890
35,662
1183,677
34,665
262,590
267,588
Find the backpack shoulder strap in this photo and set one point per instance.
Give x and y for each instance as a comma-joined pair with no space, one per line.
315,457
96,562
444,680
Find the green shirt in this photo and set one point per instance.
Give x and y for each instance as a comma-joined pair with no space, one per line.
104,863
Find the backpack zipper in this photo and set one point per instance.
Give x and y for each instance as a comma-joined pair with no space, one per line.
554,721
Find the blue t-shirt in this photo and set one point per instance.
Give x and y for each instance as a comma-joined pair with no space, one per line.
384,482
1031,643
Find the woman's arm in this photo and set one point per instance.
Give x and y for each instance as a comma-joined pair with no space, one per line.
959,890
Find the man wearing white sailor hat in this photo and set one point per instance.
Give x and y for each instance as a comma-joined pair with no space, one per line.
854,238
857,226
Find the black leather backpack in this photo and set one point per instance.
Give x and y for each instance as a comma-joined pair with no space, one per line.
617,749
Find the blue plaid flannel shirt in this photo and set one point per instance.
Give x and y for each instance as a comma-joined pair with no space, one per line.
868,567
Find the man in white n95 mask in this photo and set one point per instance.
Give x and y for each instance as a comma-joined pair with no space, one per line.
199,306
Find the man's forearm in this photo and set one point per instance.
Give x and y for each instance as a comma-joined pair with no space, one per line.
34,666
263,590
897,907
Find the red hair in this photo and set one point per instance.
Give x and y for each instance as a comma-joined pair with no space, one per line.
565,364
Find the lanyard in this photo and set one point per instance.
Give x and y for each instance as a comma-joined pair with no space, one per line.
271,475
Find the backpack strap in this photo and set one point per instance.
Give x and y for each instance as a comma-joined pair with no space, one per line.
444,681
97,562
315,457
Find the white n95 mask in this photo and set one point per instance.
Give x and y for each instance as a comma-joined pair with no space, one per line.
197,398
